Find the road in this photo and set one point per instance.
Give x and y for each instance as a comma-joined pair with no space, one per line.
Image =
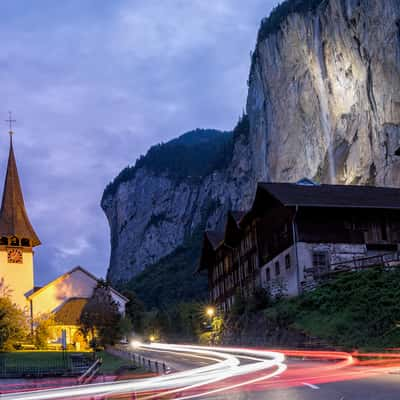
247,374
307,379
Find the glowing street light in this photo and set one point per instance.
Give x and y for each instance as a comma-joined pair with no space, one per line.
152,338
210,311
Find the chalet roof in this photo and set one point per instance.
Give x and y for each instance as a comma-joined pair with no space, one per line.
69,313
215,238
238,215
342,196
14,219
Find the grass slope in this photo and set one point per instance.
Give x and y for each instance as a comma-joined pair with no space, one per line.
357,310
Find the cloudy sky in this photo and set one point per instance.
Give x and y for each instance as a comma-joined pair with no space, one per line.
94,83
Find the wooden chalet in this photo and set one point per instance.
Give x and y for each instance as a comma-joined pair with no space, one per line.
296,232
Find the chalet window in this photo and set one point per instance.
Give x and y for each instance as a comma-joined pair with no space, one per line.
320,260
226,264
287,261
277,269
255,261
246,268
383,230
267,275
362,226
285,232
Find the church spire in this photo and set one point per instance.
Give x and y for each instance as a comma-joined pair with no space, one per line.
14,219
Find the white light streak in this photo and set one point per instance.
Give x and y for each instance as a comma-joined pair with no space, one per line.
226,365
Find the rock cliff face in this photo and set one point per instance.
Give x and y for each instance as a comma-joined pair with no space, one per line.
323,102
153,214
324,97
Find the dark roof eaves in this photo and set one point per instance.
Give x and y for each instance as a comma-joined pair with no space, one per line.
298,204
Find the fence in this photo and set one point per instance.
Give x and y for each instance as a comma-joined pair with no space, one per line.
314,277
11,367
355,264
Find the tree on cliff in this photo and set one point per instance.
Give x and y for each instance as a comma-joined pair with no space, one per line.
100,316
134,310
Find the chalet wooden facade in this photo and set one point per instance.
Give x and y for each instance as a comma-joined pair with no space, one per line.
294,233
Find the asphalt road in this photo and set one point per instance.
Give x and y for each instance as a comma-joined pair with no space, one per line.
380,387
305,380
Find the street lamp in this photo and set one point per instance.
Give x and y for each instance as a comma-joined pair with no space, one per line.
152,338
210,311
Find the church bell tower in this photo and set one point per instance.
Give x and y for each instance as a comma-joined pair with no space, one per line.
17,236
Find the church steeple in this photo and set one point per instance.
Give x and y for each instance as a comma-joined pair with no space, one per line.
14,221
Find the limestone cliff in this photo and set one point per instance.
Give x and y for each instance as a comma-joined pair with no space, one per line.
323,102
324,95
153,213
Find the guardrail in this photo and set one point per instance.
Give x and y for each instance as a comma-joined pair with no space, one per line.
137,360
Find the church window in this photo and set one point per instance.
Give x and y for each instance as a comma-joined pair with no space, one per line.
25,242
4,241
14,241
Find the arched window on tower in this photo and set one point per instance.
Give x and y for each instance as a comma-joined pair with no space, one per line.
25,242
4,241
14,241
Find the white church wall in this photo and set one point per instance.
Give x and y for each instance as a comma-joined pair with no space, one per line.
18,278
76,284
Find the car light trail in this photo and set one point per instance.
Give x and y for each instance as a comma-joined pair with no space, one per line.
228,366
230,369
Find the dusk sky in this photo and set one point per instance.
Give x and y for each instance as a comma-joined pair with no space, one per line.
94,83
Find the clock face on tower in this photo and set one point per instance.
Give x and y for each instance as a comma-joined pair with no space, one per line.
15,256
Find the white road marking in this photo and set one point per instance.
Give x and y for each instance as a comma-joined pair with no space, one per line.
310,385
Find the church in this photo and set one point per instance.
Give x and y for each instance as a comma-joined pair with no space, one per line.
65,296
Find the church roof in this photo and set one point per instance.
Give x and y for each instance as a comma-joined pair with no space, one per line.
69,313
14,219
32,294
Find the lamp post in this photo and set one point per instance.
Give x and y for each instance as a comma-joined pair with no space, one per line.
210,312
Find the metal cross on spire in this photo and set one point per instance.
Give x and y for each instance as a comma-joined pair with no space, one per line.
10,123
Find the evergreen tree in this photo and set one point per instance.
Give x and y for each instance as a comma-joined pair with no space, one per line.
100,316
134,310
